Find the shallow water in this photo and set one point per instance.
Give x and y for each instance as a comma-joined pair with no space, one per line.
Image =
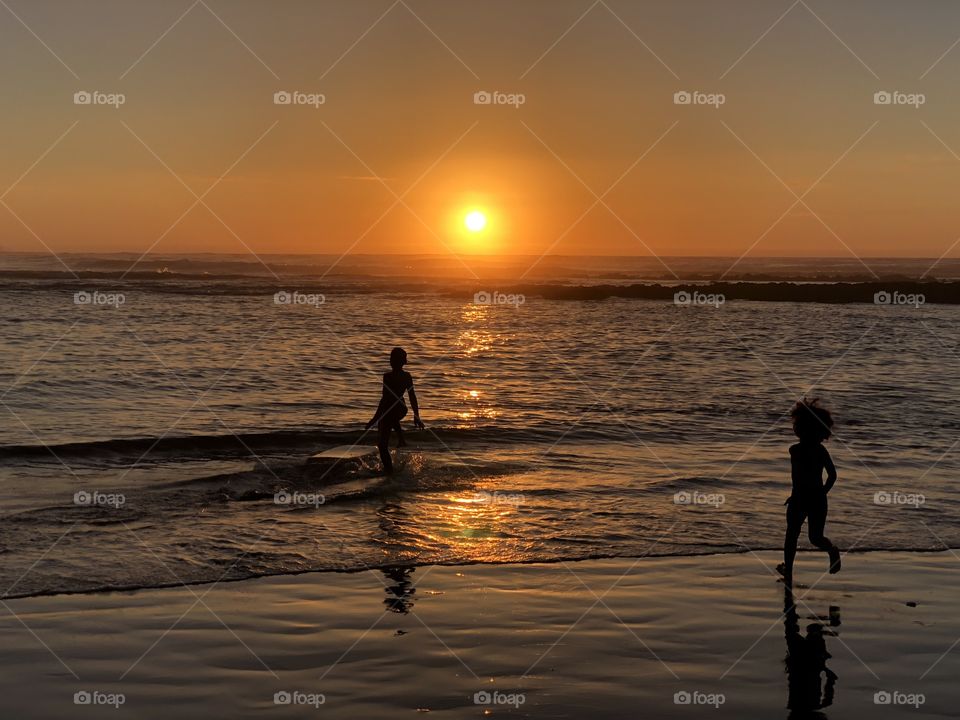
556,429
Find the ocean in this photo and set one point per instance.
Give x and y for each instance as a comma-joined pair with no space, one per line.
149,418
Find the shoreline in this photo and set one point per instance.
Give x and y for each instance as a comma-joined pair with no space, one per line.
126,589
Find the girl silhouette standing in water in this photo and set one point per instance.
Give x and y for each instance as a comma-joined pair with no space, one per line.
392,408
808,501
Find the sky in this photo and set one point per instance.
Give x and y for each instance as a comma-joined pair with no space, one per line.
784,150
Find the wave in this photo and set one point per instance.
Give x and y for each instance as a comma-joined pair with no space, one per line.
887,290
937,292
208,447
202,446
335,480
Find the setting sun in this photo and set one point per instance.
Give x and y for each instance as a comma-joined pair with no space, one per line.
475,221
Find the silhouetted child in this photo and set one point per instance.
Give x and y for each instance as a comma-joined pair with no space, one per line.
808,501
392,408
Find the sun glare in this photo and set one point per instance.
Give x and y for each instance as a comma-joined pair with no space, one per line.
475,221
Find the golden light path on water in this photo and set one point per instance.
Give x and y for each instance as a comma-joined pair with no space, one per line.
475,339
479,522
474,405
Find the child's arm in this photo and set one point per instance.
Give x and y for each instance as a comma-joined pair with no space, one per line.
831,470
416,408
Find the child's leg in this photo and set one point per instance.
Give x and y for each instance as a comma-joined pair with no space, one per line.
816,522
795,517
400,441
383,445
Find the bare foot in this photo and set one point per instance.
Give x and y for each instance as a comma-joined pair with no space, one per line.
834,560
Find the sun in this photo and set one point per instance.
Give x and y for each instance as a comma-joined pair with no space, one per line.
475,221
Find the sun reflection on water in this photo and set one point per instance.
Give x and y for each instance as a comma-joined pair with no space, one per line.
474,339
476,523
474,406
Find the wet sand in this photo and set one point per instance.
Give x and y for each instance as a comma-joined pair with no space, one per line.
599,639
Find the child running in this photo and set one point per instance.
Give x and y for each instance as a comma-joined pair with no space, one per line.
392,408
808,501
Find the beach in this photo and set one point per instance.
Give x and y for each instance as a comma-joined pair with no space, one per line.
437,358
660,637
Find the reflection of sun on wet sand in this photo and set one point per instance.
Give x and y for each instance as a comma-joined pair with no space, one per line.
591,639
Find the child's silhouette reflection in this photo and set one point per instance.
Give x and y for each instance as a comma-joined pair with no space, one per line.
806,662
400,591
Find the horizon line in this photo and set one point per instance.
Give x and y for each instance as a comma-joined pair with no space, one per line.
473,255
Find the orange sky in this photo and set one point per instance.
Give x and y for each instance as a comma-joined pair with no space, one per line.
799,111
